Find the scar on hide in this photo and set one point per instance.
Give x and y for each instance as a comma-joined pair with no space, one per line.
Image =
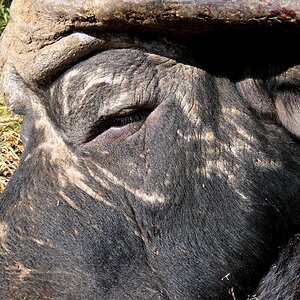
3,237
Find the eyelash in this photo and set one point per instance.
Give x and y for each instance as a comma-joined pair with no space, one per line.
124,120
117,121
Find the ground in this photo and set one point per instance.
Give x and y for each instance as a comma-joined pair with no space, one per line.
10,144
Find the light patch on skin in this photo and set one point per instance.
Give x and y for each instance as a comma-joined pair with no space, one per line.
156,59
108,106
73,177
141,236
95,79
186,100
29,199
67,80
69,201
243,140
168,180
146,197
3,230
268,163
54,148
198,170
142,156
225,159
57,153
152,198
238,147
3,237
121,103
39,242
91,79
214,162
241,194
54,151
290,73
189,107
19,271
46,242
162,59
132,168
206,136
231,112
220,167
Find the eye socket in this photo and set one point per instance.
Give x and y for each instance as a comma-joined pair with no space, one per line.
117,122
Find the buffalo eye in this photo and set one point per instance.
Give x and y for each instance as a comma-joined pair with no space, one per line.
134,119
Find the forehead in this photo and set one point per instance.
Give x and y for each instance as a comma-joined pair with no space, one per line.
44,34
47,19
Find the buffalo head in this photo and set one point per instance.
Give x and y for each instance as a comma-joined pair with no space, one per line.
162,152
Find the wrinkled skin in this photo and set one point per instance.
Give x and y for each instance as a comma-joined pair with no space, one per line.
166,169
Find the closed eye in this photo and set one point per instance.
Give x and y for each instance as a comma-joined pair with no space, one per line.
117,122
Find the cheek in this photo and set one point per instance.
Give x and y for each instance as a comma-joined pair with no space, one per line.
151,161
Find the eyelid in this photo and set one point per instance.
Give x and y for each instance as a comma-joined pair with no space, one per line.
79,46
103,126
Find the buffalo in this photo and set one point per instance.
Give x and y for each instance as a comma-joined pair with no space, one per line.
162,151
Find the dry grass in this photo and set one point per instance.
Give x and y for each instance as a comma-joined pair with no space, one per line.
10,144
